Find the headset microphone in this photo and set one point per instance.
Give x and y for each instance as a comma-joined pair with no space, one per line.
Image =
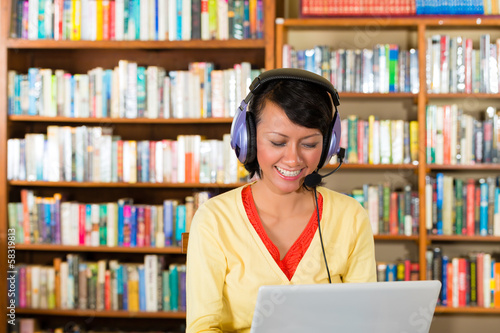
314,179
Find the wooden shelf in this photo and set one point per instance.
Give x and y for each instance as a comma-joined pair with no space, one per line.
102,313
106,249
191,44
346,94
464,95
475,167
372,166
467,309
120,185
17,118
395,238
463,238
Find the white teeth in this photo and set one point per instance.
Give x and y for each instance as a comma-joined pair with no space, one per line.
287,173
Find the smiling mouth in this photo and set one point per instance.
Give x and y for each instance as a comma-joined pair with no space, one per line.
287,173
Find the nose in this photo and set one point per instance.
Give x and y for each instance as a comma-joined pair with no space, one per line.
292,155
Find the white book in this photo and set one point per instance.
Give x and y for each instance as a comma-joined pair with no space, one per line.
167,102
385,141
57,18
194,94
231,161
65,223
111,223
152,92
448,206
98,83
152,20
13,158
186,19
94,218
487,280
144,17
63,276
113,267
53,158
74,221
232,101
101,279
122,84
106,155
435,60
496,217
33,19
172,20
51,287
159,161
205,22
181,160
162,20
397,136
115,94
92,20
373,208
453,134
151,274
428,203
67,95
493,69
168,161
84,94
133,161
131,91
46,75
87,22
439,143
126,161
119,20
35,287
222,20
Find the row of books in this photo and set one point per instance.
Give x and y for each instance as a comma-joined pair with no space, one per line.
93,154
137,20
402,270
462,207
375,141
130,91
454,137
384,69
57,221
469,280
391,212
454,66
102,285
315,8
456,7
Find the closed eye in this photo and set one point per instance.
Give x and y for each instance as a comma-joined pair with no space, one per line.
278,144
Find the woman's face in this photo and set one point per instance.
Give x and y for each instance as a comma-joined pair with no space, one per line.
286,152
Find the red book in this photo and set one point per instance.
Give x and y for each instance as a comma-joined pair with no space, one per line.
152,162
462,282
480,279
496,277
81,223
147,224
449,284
468,66
393,214
107,290
407,270
112,19
361,137
26,216
470,202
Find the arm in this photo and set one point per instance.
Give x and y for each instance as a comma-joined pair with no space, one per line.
206,269
361,265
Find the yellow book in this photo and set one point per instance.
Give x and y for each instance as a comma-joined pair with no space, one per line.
99,21
414,140
76,11
133,288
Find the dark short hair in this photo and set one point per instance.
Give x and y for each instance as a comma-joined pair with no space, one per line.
305,104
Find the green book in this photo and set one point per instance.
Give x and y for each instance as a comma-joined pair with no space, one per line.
459,202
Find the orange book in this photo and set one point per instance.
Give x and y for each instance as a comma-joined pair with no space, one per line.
105,19
480,279
188,159
119,167
57,280
496,279
253,18
99,20
26,215
446,134
449,284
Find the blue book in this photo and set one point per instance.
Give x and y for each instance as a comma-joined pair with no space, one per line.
49,224
121,203
178,32
309,60
483,210
142,288
106,92
168,222
157,23
34,91
133,226
174,287
125,286
439,202
391,272
88,223
141,91
246,20
119,286
444,281
180,223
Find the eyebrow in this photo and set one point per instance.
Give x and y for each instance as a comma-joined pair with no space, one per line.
286,136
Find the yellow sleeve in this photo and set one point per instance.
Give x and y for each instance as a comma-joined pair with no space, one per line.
361,265
206,267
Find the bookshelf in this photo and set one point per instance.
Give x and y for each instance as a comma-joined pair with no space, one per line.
79,57
408,32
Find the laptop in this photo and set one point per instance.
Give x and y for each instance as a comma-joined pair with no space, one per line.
375,307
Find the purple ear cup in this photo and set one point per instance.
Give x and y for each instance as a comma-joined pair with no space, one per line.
239,133
334,144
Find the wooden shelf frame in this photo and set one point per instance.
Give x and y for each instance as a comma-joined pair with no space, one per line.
421,27
100,249
103,314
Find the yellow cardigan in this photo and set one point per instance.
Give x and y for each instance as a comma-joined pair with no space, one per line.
227,261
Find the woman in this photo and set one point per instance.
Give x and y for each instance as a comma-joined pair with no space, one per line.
265,233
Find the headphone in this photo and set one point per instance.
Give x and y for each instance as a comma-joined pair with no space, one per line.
243,128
